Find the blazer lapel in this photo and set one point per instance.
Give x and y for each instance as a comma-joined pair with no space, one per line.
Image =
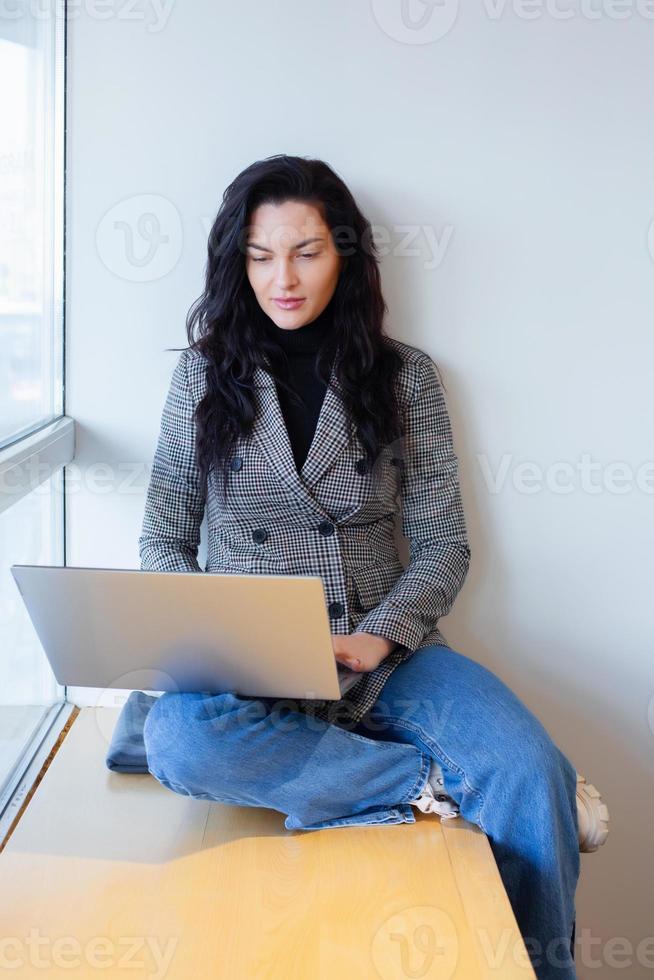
269,430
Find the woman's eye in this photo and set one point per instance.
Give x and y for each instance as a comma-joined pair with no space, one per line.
303,255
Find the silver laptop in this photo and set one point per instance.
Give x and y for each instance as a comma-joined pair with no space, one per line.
257,635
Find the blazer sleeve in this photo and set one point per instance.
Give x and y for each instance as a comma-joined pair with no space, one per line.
175,501
432,520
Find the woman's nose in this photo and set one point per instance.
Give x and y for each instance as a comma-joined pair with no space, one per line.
285,276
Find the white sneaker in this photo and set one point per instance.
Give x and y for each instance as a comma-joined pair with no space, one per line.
593,816
433,799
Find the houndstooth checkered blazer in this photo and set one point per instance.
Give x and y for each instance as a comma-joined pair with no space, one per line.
333,519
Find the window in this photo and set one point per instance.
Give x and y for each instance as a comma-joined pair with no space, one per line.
36,439
31,532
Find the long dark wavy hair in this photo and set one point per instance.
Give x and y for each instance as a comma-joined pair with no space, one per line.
226,323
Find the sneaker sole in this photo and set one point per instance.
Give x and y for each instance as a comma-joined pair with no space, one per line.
597,813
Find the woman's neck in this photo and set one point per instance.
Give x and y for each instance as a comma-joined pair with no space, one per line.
306,339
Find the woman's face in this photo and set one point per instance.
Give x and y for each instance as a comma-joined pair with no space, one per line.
290,254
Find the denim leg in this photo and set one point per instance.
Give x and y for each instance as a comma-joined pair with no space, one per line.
256,752
508,777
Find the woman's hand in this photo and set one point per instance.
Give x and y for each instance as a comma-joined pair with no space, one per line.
361,651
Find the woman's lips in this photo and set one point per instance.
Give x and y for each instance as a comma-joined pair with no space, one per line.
289,304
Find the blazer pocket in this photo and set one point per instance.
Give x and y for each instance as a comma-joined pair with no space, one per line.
371,585
376,542
238,554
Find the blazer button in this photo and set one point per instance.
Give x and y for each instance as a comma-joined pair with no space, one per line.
397,461
259,535
336,609
361,466
236,463
326,528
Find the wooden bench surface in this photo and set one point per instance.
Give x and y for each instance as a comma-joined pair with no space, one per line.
113,875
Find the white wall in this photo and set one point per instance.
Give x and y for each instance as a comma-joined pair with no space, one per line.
524,147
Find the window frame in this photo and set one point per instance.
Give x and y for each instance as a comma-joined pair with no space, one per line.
47,446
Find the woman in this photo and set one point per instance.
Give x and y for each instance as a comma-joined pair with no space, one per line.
302,429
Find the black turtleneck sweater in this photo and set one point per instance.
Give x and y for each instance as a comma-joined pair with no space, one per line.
300,345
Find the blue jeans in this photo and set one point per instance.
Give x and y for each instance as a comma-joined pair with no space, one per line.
498,761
